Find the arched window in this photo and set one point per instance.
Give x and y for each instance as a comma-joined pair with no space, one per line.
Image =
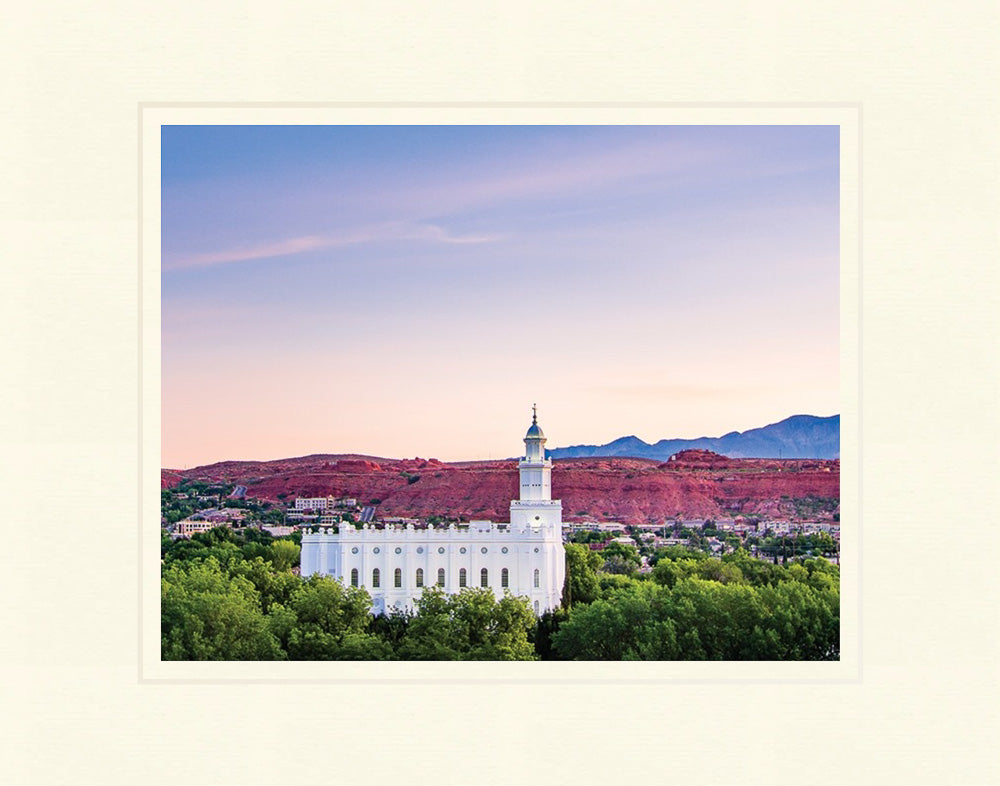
505,578
484,578
440,577
375,578
420,577
536,607
462,576
354,577
536,577
397,577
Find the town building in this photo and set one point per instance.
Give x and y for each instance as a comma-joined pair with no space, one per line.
524,556
314,503
188,527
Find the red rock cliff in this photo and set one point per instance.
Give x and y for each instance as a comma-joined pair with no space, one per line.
694,484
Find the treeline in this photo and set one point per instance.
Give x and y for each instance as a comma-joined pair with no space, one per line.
228,596
696,607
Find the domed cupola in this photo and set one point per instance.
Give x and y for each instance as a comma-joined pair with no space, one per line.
534,439
534,430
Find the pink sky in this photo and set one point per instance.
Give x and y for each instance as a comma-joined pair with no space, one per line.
403,291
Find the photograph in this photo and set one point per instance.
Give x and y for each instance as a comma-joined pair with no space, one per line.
565,392
440,379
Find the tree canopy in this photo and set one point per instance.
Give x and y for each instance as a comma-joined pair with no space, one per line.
237,596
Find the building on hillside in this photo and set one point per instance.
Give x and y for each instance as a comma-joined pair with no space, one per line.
188,527
314,503
524,556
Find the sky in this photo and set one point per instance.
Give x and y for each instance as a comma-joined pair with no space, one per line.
404,291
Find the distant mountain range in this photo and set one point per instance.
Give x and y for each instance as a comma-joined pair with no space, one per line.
800,436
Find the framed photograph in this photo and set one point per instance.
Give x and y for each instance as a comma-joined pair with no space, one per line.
366,318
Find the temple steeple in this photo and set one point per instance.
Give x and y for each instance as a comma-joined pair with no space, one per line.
536,472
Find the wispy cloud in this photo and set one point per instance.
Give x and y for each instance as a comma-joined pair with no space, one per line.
430,233
434,233
562,174
294,245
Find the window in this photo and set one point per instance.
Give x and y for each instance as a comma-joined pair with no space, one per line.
397,577
354,577
536,577
375,577
440,577
504,578
484,578
420,577
462,577
536,607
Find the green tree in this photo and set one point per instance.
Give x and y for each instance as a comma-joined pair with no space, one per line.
676,553
621,558
284,554
755,571
806,620
273,586
216,536
717,570
614,582
582,566
728,620
670,571
699,619
273,516
627,625
208,615
472,625
545,629
255,549
430,634
392,626
822,574
331,621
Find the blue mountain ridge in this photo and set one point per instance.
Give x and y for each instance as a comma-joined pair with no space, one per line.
800,436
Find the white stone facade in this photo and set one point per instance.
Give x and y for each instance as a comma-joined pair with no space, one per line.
394,564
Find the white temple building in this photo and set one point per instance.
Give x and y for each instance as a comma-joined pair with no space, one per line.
524,556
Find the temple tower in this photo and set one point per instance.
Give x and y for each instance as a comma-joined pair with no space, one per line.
535,507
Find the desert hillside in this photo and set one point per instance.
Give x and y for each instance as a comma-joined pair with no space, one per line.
695,484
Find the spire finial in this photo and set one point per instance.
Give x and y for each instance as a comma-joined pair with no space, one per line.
534,415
